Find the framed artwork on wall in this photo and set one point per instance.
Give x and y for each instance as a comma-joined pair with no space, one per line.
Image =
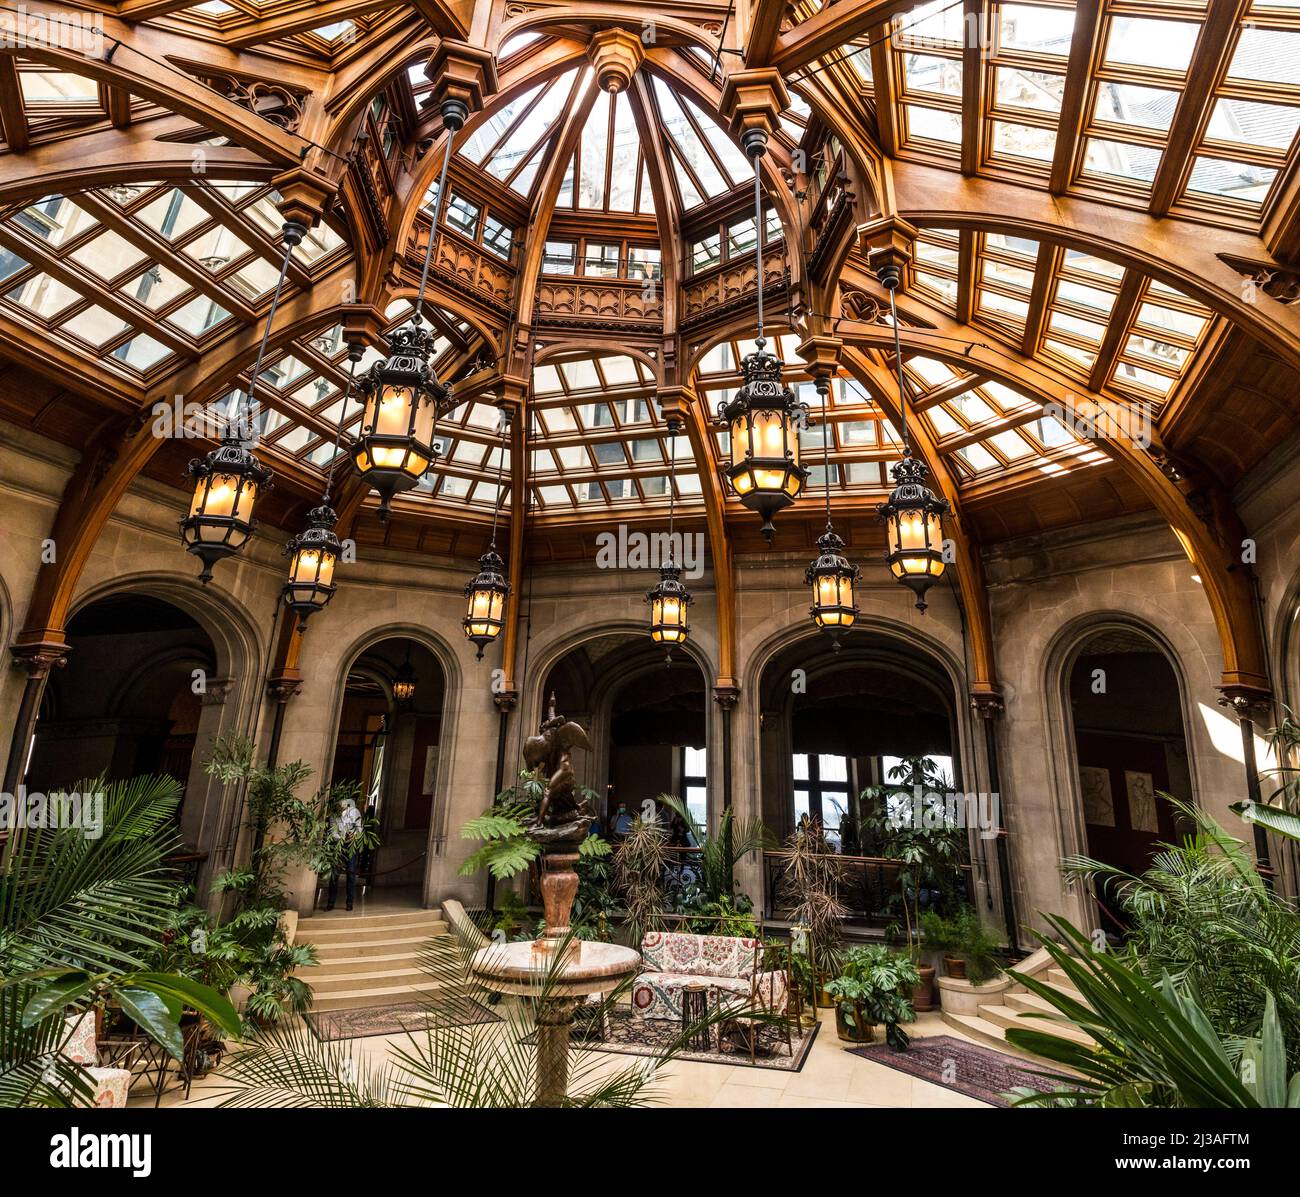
1098,804
1142,812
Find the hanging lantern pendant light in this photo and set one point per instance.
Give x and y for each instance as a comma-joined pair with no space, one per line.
230,479
831,575
913,514
404,681
315,551
764,418
670,601
486,593
402,395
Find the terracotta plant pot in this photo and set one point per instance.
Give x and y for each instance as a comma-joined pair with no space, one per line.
954,966
923,994
857,1031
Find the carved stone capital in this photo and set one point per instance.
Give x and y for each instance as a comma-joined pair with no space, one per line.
987,704
1246,701
674,404
459,71
505,701
615,54
726,695
363,324
887,241
284,686
752,102
215,691
38,657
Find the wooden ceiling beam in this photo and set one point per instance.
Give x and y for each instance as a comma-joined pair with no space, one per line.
1117,329
300,19
1045,268
1209,63
1084,52
13,115
1180,254
830,29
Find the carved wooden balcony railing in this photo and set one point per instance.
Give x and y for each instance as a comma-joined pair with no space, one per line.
599,303
726,289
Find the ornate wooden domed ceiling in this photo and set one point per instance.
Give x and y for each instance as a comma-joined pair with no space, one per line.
1097,204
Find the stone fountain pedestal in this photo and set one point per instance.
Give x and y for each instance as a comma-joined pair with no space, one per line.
523,969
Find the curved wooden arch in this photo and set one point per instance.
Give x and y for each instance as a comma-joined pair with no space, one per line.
969,561
1227,586
1178,254
557,348
593,17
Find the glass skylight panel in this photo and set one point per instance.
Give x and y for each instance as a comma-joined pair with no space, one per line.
933,124
141,352
937,22
1024,141
173,214
592,155
1266,55
197,316
1121,159
1037,91
108,255
57,87
1147,42
95,326
1269,126
1240,181
737,166
43,296
1134,106
928,73
623,152
1034,28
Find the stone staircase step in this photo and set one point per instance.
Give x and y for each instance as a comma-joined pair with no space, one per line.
990,1034
410,944
389,995
333,930
377,979
406,935
357,964
1006,1017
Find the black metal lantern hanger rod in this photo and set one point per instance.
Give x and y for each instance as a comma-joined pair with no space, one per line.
501,465
758,243
823,385
354,356
672,488
293,233
453,117
898,365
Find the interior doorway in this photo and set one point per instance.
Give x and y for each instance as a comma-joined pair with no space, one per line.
1131,748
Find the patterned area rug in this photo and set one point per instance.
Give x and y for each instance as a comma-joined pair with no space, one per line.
631,1036
978,1072
394,1020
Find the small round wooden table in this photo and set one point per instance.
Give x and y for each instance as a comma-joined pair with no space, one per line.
695,1011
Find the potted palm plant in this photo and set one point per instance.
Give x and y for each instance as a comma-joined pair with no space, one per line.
810,884
874,986
929,852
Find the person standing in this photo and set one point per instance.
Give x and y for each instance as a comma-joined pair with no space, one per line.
347,830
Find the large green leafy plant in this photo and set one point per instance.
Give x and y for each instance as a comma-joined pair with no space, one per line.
1280,811
708,887
1202,915
1154,1043
80,917
507,849
964,934
875,985
930,851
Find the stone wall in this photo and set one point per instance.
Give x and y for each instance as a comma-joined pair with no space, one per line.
1046,595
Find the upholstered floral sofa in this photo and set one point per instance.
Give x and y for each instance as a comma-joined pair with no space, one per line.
110,1085
725,965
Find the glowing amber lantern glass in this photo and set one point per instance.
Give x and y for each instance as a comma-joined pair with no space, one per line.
670,603
313,555
486,597
831,577
400,397
764,420
227,484
913,519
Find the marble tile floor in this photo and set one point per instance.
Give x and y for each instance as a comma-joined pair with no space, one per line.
831,1077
